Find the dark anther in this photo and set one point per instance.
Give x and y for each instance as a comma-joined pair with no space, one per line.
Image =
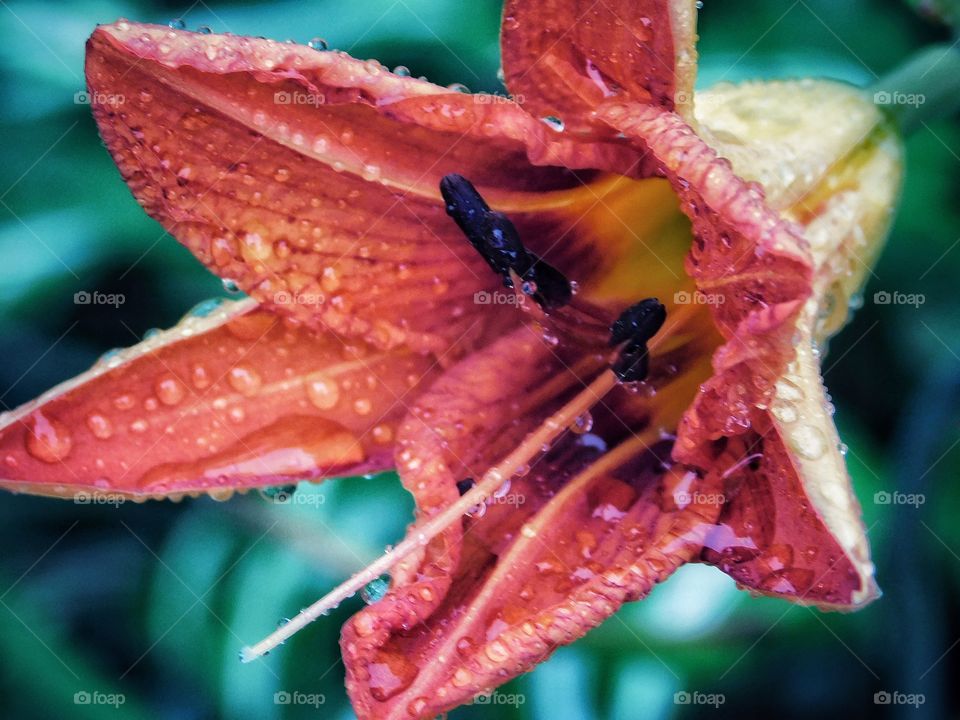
464,486
633,329
498,242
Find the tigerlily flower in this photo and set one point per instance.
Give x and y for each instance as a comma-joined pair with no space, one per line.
583,323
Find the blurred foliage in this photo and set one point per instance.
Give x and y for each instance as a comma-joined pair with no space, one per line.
154,601
945,11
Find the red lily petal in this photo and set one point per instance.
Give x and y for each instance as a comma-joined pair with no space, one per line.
771,542
755,265
565,57
324,204
233,400
581,532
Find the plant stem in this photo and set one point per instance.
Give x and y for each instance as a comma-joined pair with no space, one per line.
924,88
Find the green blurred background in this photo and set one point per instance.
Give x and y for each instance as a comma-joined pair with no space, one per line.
154,601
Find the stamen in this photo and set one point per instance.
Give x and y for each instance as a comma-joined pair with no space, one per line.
633,329
498,242
740,464
488,484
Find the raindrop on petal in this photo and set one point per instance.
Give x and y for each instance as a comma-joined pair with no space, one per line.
374,590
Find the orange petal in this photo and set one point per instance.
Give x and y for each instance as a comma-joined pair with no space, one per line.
311,178
565,57
754,265
783,534
562,547
234,399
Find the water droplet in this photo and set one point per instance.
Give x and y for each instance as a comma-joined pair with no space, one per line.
100,426
254,248
382,434
169,390
417,706
204,30
462,677
278,493
329,280
46,439
375,590
390,674
497,652
554,123
582,424
458,88
110,358
478,511
124,402
205,308
808,442
784,413
200,377
323,392
245,380
177,24
362,406
402,71
318,43
231,286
